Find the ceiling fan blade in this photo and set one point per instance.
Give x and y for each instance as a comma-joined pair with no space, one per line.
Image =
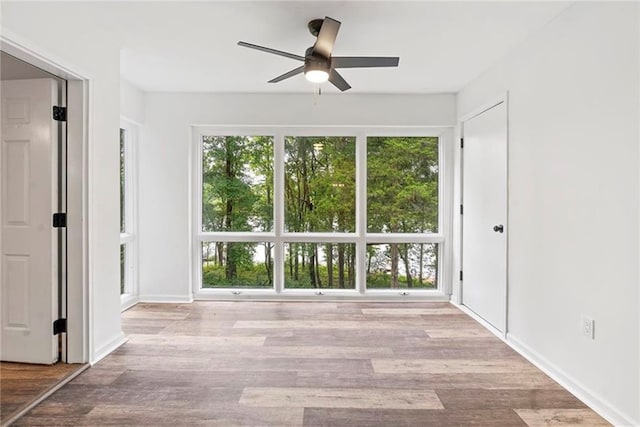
364,61
274,51
288,74
326,37
338,81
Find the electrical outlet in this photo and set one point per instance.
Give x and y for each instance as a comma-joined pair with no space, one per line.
588,327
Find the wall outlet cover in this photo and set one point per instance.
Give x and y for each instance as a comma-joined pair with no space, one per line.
588,327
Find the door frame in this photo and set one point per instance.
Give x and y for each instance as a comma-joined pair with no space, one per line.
495,101
78,298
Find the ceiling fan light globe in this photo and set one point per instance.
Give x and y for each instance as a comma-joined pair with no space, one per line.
317,76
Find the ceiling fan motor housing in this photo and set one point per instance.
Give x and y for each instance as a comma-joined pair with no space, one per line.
316,62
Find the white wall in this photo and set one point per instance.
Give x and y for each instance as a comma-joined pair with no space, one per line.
86,50
164,230
131,102
574,197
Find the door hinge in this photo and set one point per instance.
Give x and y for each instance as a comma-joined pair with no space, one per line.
59,220
59,113
59,326
461,275
461,142
461,210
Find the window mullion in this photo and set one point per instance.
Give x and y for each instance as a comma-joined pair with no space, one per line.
361,212
278,212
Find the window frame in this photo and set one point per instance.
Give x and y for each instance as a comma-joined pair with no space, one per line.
360,238
128,238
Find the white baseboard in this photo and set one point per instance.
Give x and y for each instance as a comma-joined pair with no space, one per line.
591,399
166,298
108,348
495,331
127,302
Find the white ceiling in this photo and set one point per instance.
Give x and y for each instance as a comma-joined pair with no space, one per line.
191,46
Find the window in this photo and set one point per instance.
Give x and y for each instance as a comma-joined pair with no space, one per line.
402,184
319,265
319,187
402,265
402,197
237,265
236,196
128,285
349,212
237,183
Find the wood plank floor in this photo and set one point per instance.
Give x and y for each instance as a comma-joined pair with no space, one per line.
312,364
21,384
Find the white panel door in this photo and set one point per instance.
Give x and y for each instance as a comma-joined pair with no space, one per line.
29,242
484,219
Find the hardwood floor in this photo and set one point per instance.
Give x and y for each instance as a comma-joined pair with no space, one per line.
313,364
21,384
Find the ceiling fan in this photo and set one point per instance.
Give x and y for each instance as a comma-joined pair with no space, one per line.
319,65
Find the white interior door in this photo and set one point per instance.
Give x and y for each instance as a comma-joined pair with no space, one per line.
29,242
484,219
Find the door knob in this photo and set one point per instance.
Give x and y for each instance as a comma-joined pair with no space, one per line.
498,228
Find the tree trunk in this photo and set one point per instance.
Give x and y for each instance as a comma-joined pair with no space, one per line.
394,265
296,268
405,258
268,190
317,261
231,262
220,253
290,263
312,267
231,265
267,262
329,255
341,265
351,270
421,268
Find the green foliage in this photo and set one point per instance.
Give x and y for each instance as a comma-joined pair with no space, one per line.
402,184
381,280
237,183
250,276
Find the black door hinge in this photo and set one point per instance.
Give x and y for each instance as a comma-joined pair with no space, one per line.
460,274
461,210
59,113
59,326
461,142
59,220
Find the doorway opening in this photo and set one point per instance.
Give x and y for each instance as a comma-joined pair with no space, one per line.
42,268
